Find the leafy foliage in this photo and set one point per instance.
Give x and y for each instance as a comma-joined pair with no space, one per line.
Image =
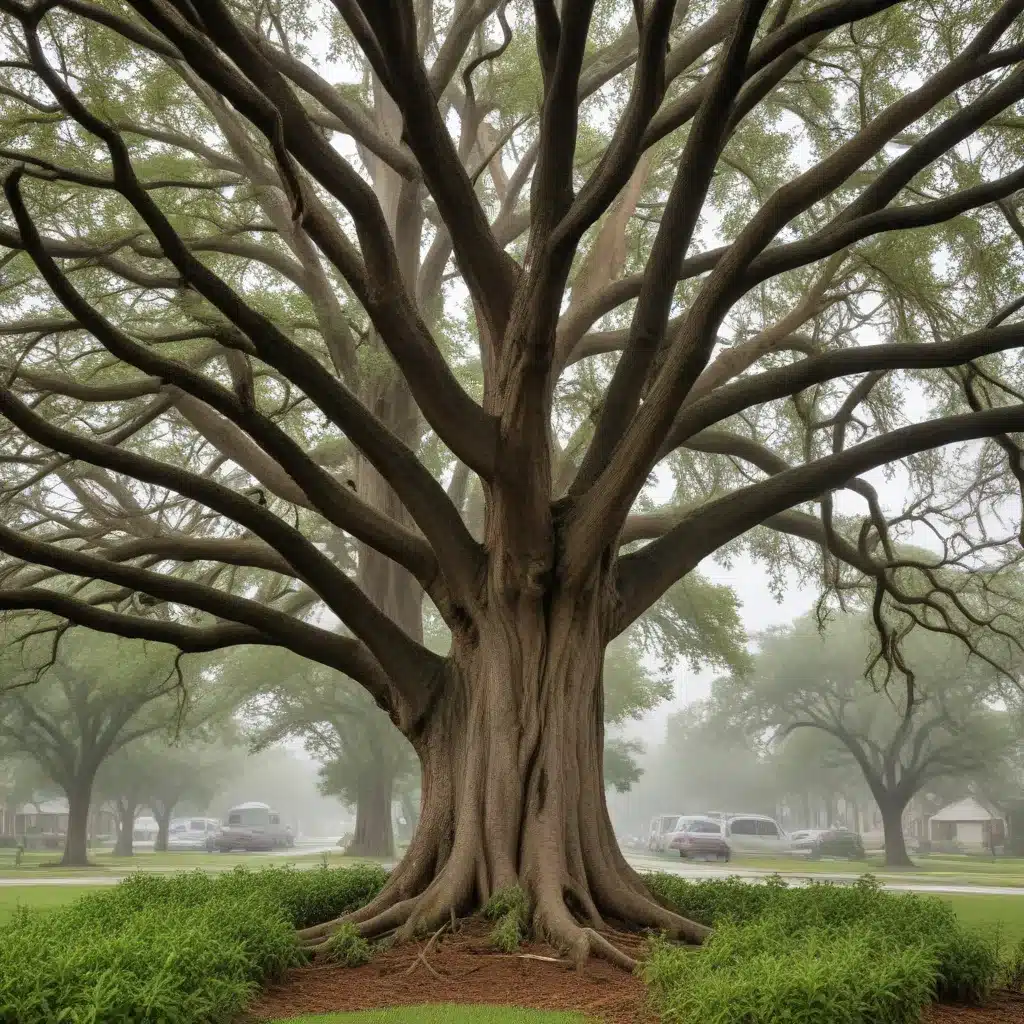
184,949
814,954
347,947
758,973
510,911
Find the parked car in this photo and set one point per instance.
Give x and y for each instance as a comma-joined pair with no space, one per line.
755,835
700,839
252,826
827,842
145,829
193,834
661,828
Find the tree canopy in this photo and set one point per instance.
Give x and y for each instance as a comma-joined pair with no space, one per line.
953,723
313,310
70,708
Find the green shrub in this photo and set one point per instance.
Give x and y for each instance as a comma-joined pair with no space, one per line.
1012,975
184,949
758,972
348,948
510,911
801,953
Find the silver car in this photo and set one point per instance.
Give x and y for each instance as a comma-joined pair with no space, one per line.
193,834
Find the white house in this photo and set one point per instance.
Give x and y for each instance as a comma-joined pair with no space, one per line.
968,822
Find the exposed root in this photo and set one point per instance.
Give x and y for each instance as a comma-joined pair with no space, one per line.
386,921
601,947
643,912
587,906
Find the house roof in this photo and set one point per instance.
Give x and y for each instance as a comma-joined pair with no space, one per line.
968,809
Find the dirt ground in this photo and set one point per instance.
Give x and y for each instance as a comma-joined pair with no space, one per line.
1004,1008
465,969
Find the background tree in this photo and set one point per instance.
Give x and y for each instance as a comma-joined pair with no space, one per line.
71,710
282,777
22,782
162,772
813,772
364,759
311,372
190,775
705,764
948,725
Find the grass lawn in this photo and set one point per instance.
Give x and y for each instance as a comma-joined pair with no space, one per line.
42,863
986,913
37,897
443,1014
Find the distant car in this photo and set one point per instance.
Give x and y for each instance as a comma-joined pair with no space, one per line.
754,835
828,842
661,828
145,829
700,839
193,834
252,826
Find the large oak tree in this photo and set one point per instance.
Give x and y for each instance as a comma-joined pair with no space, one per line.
70,710
338,307
952,724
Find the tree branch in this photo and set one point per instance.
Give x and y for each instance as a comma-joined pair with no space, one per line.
771,385
331,499
645,575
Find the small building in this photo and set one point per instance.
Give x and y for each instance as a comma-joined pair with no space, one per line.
970,823
45,823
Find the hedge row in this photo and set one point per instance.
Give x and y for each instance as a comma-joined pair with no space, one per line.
194,949
820,954
183,949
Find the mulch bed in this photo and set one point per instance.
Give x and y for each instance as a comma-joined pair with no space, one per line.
465,968
1003,1008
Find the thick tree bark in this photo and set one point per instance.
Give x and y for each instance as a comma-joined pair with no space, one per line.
896,855
76,843
513,790
162,813
125,829
374,835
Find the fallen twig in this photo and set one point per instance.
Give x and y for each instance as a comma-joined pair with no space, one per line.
536,956
422,955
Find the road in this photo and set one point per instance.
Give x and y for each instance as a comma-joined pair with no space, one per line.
642,862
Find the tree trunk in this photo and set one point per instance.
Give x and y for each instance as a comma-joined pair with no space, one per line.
896,855
162,813
76,843
853,813
125,829
513,791
374,836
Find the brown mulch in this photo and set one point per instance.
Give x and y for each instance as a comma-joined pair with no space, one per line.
468,970
464,968
1003,1008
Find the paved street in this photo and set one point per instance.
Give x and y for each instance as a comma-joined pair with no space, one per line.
643,862
640,861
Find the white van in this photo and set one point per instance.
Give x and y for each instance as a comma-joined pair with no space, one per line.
252,826
755,835
661,828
